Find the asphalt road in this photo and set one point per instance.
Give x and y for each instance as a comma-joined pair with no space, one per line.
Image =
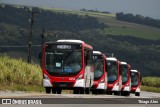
147,99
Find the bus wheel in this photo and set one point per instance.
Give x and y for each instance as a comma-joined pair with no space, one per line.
137,94
82,90
59,91
104,91
48,90
87,90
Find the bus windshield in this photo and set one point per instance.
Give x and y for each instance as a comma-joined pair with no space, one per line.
112,71
63,62
134,79
124,72
98,67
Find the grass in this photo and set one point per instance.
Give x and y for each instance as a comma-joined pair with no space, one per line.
19,75
117,27
151,81
78,12
151,84
136,32
150,89
20,87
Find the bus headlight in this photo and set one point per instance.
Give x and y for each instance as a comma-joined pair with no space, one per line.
46,77
102,81
80,77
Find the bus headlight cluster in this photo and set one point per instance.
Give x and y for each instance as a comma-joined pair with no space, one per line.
102,81
46,77
80,77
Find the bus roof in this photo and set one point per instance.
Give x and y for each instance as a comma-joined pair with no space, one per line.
97,52
134,70
111,59
67,40
123,63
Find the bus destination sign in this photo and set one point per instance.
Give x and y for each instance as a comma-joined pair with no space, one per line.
64,47
51,47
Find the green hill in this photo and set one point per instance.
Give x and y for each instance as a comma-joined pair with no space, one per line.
117,27
139,45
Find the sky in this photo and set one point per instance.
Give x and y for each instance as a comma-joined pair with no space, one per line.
149,8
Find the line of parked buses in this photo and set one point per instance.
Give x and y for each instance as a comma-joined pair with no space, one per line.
73,65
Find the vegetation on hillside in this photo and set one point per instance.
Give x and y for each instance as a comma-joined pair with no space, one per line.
56,21
18,75
151,84
151,81
15,71
129,42
138,19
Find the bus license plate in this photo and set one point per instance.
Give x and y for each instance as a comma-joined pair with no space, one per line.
62,85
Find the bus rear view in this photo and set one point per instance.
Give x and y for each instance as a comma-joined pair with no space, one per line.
100,74
126,80
135,82
113,76
66,64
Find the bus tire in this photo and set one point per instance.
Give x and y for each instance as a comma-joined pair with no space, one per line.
137,94
87,90
127,93
104,91
48,90
82,90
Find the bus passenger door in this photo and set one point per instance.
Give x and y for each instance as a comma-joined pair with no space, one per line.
89,76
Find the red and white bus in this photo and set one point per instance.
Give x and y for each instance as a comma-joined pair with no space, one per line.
113,76
67,64
135,82
126,80
100,74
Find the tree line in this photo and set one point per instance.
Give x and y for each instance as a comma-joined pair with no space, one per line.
52,20
138,19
